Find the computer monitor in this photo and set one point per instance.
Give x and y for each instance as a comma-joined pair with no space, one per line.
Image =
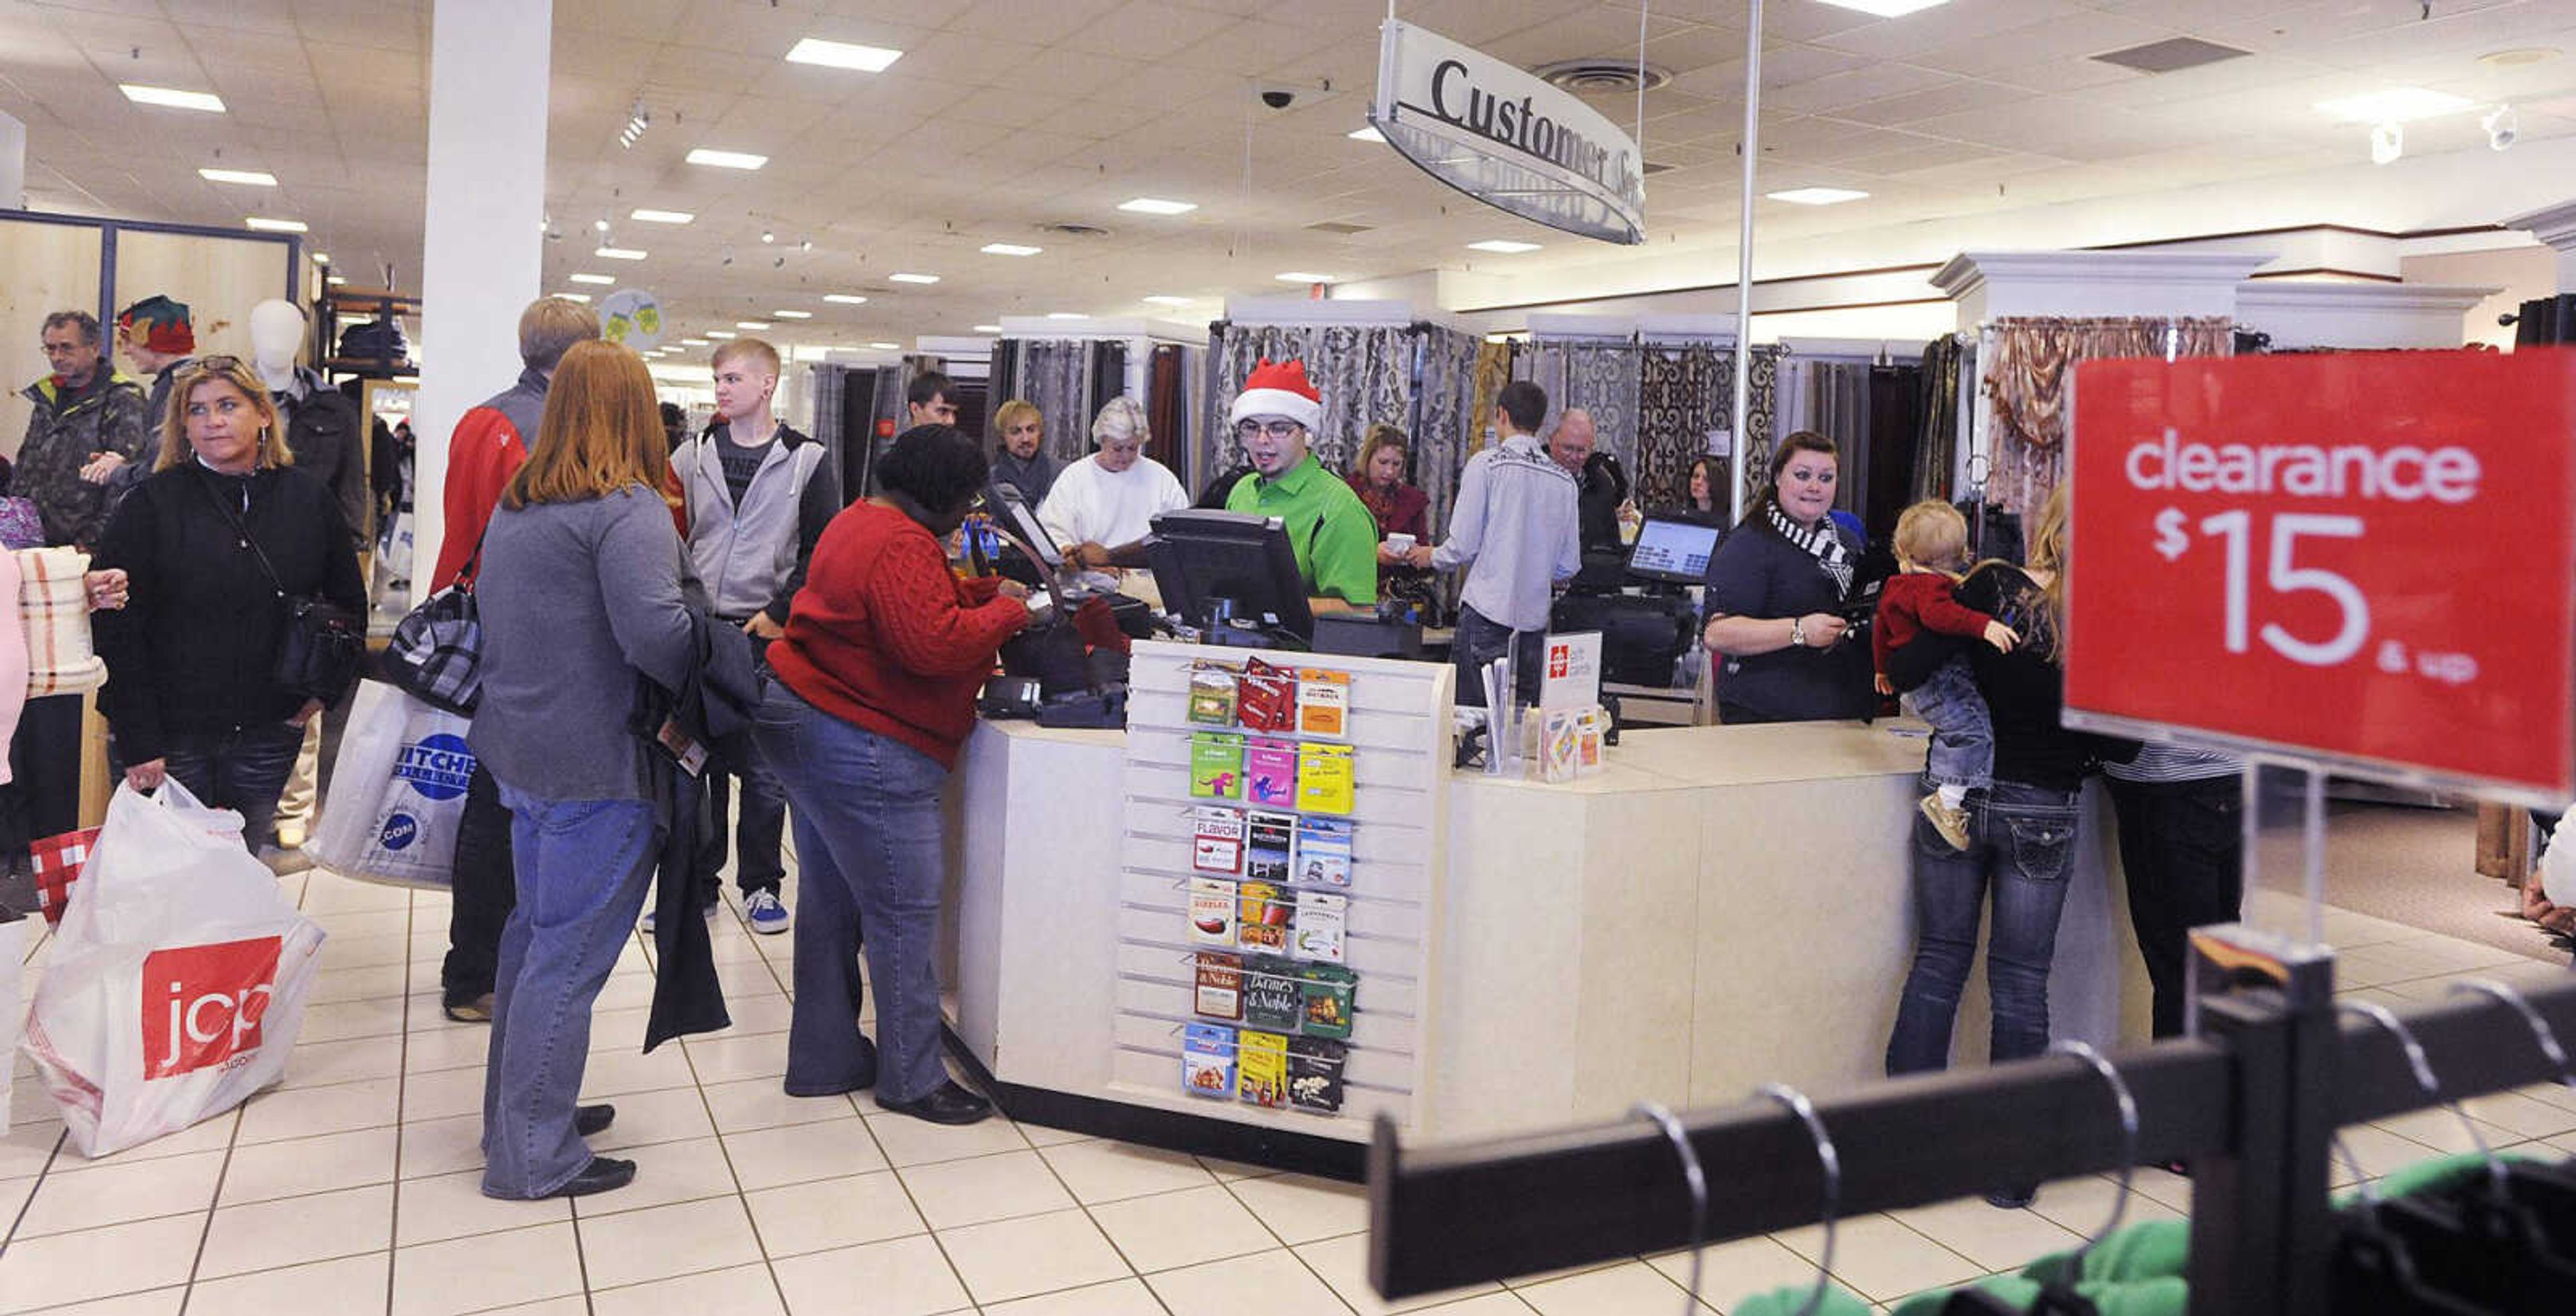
1673,552
1202,559
1002,502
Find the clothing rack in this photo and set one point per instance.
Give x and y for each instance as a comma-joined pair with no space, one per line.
2252,1101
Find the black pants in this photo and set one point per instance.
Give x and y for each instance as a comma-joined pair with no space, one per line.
43,796
757,866
486,889
243,769
1479,640
2182,847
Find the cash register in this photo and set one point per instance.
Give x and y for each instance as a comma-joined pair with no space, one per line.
1647,618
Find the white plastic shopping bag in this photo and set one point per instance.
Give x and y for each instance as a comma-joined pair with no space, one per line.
13,956
397,792
177,980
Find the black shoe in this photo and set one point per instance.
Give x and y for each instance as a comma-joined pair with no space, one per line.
601,1175
591,1120
2012,1199
945,1104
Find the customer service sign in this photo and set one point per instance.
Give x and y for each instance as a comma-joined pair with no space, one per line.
2366,558
1495,132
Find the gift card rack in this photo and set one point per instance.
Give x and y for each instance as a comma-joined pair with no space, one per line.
1399,728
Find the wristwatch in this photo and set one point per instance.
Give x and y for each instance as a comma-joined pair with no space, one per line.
1797,632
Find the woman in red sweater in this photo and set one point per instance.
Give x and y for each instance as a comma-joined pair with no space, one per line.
878,671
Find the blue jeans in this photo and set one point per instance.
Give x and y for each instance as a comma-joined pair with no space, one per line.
868,849
243,770
583,868
1479,640
1963,735
2021,841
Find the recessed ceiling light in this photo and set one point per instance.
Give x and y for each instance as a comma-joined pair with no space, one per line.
172,98
619,253
1886,8
321,258
2395,105
336,280
662,216
245,177
1009,249
600,279
1368,134
845,298
1302,276
1818,196
1161,299
751,324
1067,315
842,55
2519,57
981,329
887,347
574,296
267,225
793,315
727,159
1503,245
1145,205
914,278
721,333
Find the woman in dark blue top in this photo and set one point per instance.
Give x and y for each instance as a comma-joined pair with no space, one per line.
1775,587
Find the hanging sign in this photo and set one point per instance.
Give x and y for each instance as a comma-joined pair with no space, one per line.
1498,133
633,317
2366,558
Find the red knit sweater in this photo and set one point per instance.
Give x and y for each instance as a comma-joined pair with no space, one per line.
1913,602
885,637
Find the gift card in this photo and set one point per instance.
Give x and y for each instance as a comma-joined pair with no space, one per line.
1270,773
1216,840
1262,914
1266,697
1320,925
1212,911
1207,1061
1271,840
1262,1063
1323,702
1323,856
1326,778
1327,996
1218,987
1216,765
1212,694
1315,1074
1272,997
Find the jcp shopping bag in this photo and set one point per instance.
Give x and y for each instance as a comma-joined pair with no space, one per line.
397,792
177,979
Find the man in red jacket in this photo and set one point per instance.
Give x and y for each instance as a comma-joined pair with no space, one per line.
489,446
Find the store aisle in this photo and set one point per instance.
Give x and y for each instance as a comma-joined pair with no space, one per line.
351,1188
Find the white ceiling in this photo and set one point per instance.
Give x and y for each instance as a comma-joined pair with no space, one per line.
1007,115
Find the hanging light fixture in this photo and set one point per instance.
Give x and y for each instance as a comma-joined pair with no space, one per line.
637,120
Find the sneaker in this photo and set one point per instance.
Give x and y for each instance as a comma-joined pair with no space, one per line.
768,914
1950,822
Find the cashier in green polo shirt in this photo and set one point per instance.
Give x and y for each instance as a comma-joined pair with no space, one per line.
1329,528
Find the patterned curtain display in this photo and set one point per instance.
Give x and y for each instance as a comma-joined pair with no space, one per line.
1686,392
1936,449
1497,364
1362,373
1054,375
2025,387
1601,378
1451,369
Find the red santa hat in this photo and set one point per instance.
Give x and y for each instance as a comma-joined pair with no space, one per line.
1278,390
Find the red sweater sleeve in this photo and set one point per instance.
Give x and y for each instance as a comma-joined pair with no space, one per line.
1937,610
923,619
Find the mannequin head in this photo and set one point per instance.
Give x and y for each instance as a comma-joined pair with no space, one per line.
276,335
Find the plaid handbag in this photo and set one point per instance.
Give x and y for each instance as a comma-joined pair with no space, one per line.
58,861
436,654
55,617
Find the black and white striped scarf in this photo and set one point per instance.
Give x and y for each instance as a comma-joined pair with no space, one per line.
1826,545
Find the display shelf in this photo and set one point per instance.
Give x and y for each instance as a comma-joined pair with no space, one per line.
337,305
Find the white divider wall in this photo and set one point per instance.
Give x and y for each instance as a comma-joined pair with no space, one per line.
1399,729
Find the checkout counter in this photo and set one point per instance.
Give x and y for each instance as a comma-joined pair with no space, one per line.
1714,908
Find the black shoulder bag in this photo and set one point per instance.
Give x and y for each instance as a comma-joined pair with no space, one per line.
321,646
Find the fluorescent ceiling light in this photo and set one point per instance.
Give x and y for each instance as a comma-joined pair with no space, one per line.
1161,299
693,342
321,258
2395,105
1302,276
981,329
842,55
1369,134
720,333
727,159
267,225
1010,249
1886,8
618,253
750,324
336,280
1067,315
845,298
174,99
1818,196
891,347
1145,205
793,315
574,296
1503,246
600,279
245,177
914,278
662,216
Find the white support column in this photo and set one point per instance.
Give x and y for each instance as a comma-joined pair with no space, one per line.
2555,226
482,241
13,164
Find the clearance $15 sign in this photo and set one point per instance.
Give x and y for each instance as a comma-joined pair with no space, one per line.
2366,557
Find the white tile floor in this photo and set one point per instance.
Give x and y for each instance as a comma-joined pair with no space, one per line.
351,1188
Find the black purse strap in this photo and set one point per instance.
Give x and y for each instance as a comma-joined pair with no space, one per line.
243,529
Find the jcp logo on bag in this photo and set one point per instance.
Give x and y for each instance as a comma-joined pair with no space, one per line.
437,766
202,1005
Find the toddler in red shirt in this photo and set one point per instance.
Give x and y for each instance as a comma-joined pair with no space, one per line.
1931,542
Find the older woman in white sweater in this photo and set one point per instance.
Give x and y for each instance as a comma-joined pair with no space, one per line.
1103,505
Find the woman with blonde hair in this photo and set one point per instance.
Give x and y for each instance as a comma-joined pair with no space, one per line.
1399,509
579,593
215,543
